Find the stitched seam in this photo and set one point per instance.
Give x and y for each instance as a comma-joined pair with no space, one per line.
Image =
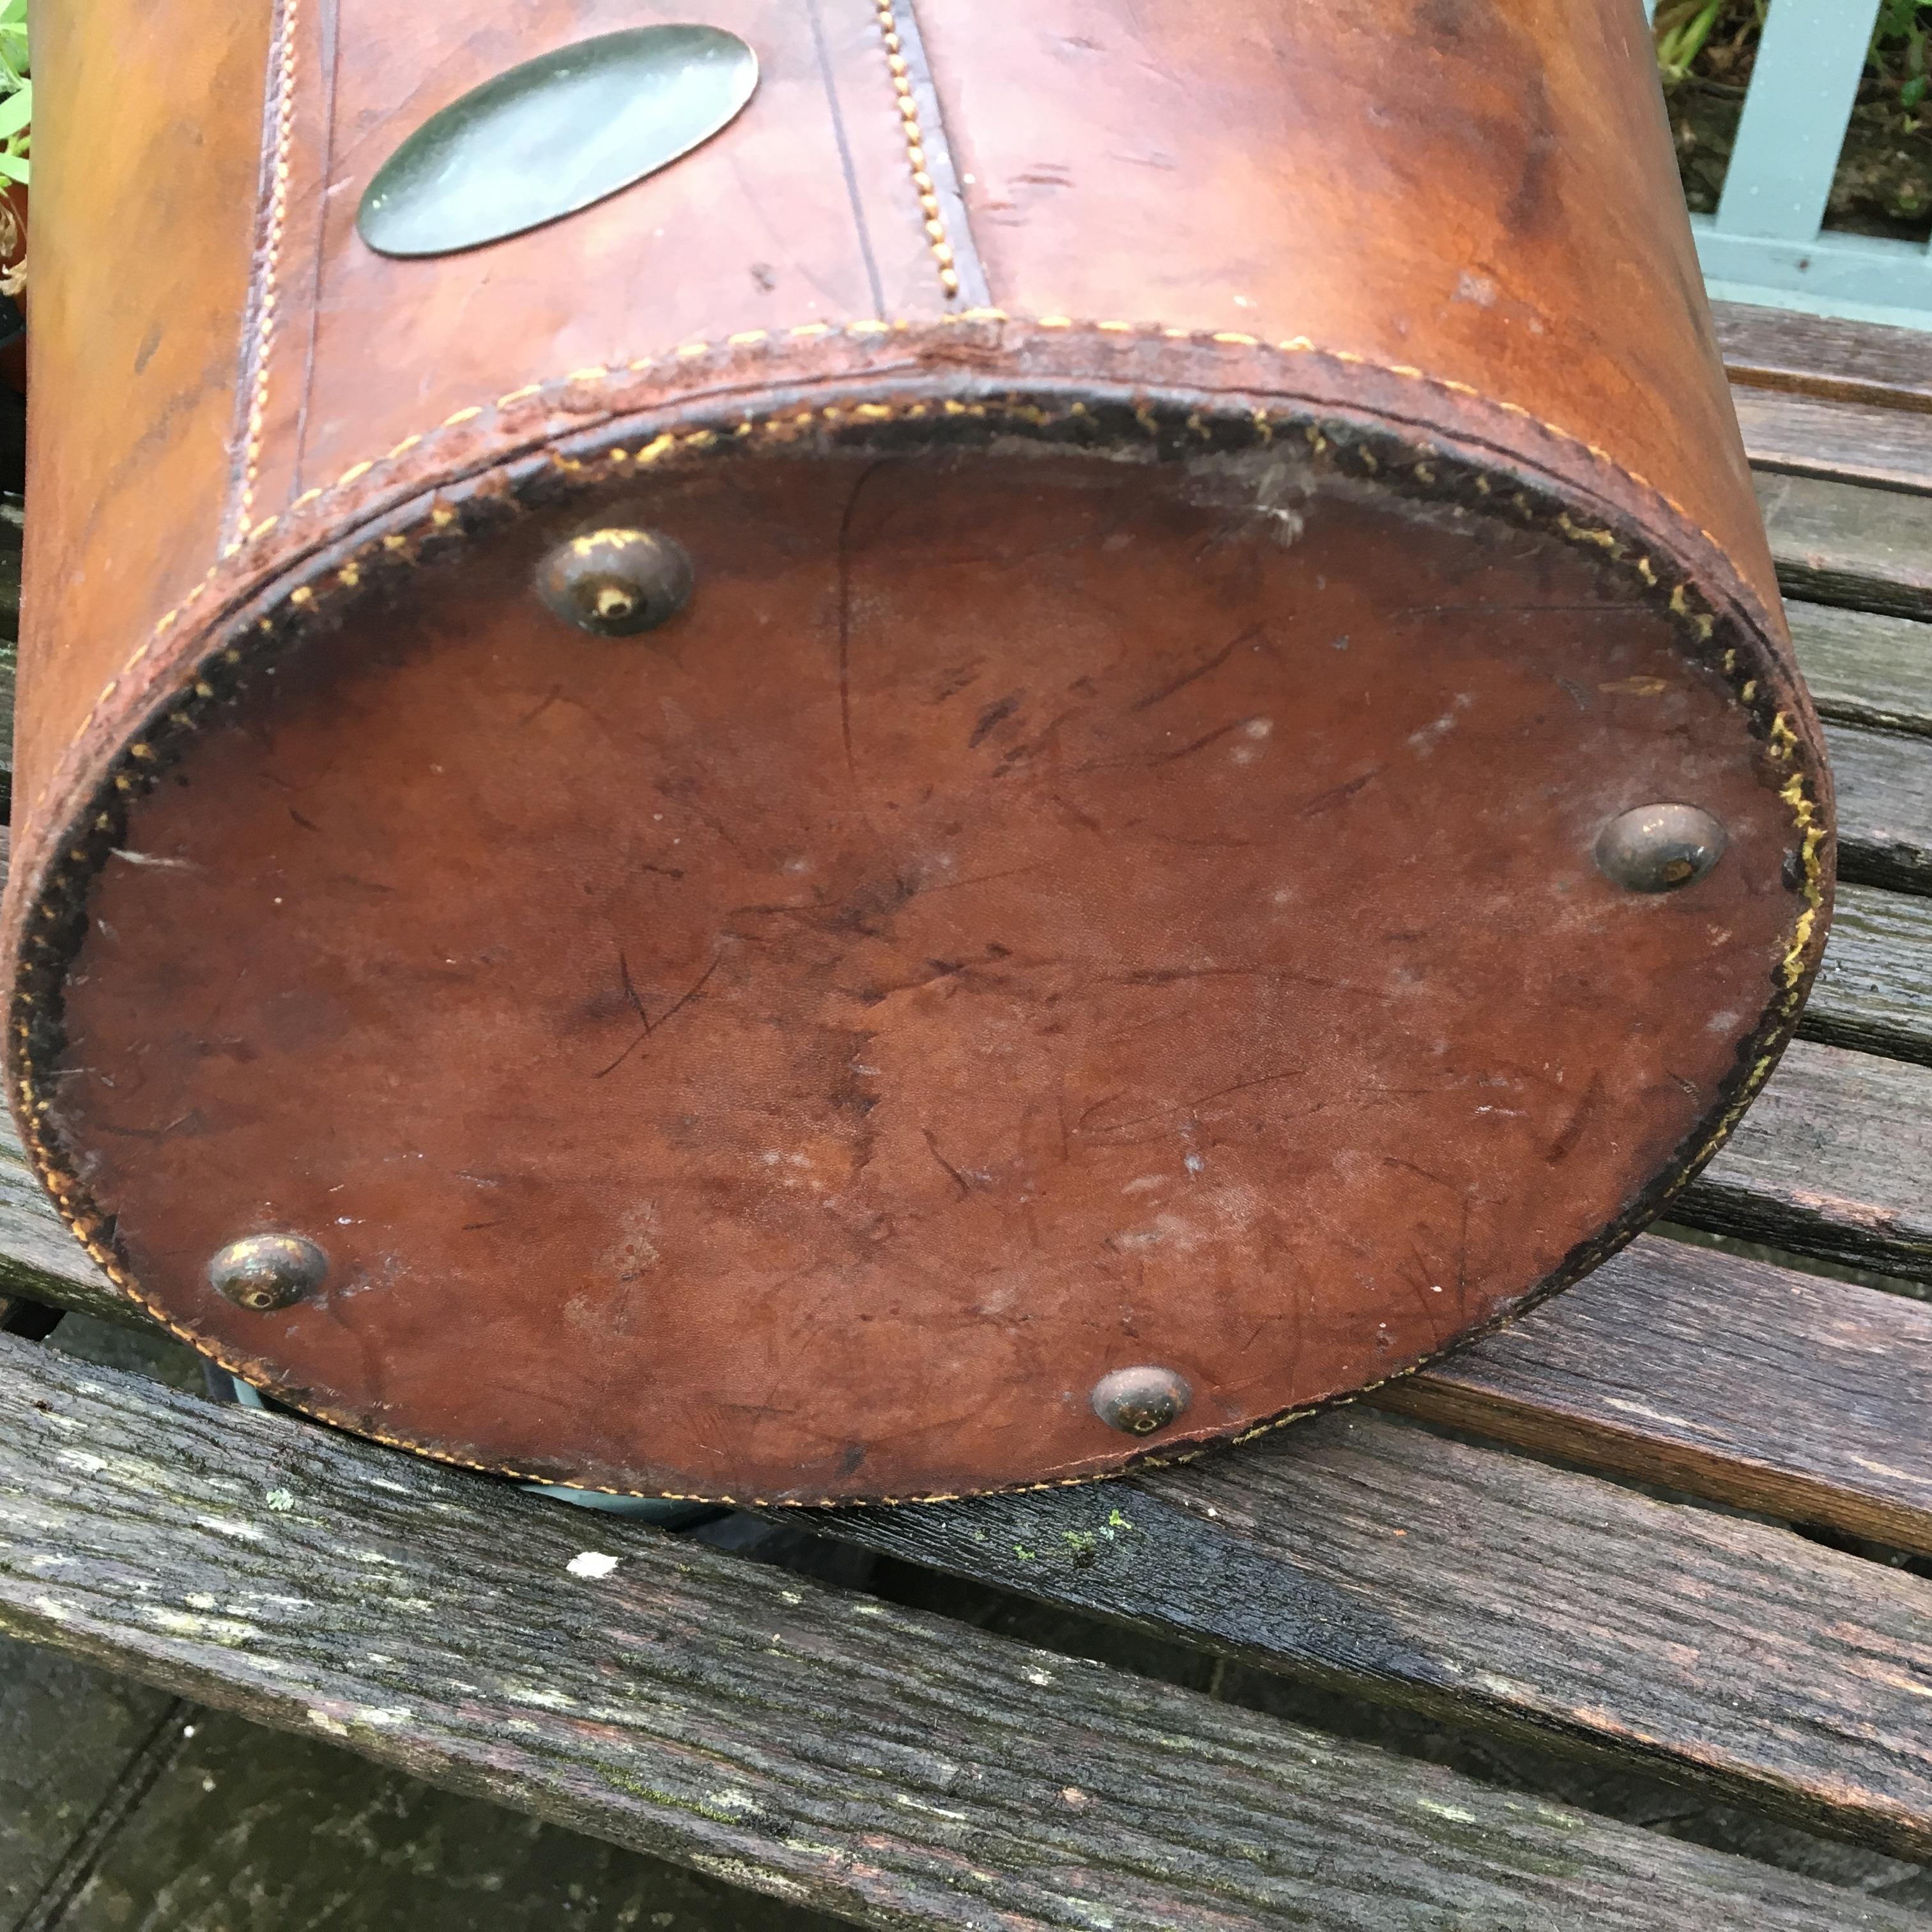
271,252
1299,345
1798,794
900,69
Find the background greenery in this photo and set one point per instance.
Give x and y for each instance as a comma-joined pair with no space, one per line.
17,91
1705,51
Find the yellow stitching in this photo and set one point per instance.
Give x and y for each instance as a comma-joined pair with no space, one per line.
915,141
1294,345
271,251
1805,815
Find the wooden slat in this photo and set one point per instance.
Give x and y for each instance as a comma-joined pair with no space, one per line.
1835,543
1874,990
1870,676
1834,1160
1853,442
900,1769
1367,1554
208,1823
1864,668
1824,355
1749,1384
1884,782
38,1257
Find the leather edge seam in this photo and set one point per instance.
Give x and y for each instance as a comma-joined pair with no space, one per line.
253,390
579,380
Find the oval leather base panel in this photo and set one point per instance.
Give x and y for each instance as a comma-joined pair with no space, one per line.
1030,916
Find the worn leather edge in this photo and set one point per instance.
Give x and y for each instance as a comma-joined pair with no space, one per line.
351,542
974,341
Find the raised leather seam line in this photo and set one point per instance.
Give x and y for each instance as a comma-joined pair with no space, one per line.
268,295
1299,345
848,168
1778,1016
900,69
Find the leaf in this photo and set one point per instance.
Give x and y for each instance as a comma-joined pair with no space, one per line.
1913,92
16,110
1897,20
1679,49
14,167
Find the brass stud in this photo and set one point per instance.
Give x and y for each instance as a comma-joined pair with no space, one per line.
1660,848
266,1272
1139,1401
616,583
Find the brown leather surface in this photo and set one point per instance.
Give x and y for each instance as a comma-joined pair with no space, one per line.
761,231
1485,191
1037,913
144,220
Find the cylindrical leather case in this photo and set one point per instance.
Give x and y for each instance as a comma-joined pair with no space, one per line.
1145,889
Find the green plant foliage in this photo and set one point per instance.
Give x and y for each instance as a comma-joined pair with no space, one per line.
17,91
1716,40
1681,35
1898,48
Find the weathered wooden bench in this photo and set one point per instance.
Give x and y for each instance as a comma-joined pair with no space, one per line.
1676,1521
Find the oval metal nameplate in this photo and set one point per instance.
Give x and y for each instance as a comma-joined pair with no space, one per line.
554,135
